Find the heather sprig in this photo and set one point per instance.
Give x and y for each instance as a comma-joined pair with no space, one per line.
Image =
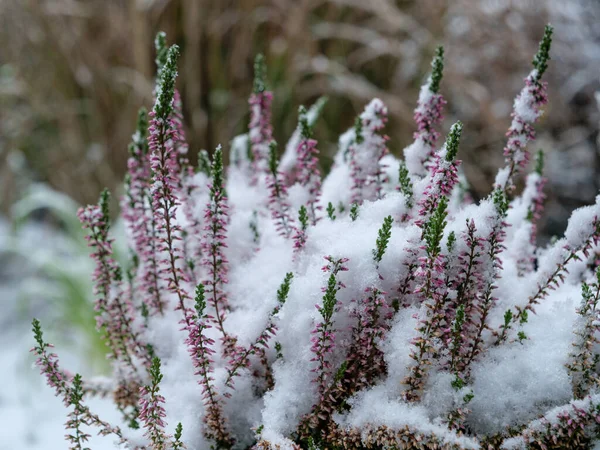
443,175
137,212
241,358
260,128
323,339
526,111
366,152
68,389
428,115
307,166
214,244
201,350
584,358
77,416
300,232
152,411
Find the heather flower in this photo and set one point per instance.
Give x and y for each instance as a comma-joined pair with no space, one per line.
308,174
260,129
136,207
201,350
427,115
433,291
115,316
152,411
526,111
366,151
443,175
214,244
165,182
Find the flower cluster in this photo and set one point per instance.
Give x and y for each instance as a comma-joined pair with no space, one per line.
436,322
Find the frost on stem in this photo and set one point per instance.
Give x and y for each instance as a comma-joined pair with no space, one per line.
200,348
290,158
526,111
307,166
443,175
241,358
323,341
115,315
584,357
165,182
214,244
152,411
427,115
260,128
136,208
278,196
433,292
369,146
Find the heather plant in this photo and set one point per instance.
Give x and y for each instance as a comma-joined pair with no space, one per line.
378,307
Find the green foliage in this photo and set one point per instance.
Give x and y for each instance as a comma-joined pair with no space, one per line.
203,163
160,44
354,211
217,173
405,182
501,202
383,239
254,227
539,162
155,374
358,125
260,74
451,242
38,334
303,218
273,159
329,300
331,211
437,70
104,203
434,228
541,58
200,300
341,371
305,128
166,86
278,348
284,289
453,141
177,444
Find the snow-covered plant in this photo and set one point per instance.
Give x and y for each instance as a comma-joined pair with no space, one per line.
375,308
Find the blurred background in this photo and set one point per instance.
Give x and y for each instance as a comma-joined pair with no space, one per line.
74,72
